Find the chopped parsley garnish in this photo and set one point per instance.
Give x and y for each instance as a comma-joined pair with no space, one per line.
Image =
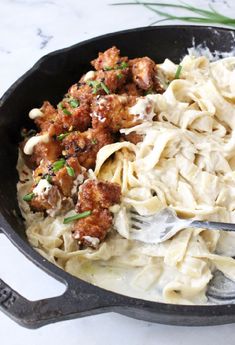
62,136
94,141
56,166
77,216
104,87
123,65
28,197
70,171
66,111
108,68
120,76
97,85
48,178
178,71
62,107
74,103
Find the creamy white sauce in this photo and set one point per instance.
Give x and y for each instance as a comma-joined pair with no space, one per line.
34,113
94,241
79,180
43,188
89,76
29,146
144,108
98,116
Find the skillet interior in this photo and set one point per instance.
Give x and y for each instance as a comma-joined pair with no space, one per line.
50,78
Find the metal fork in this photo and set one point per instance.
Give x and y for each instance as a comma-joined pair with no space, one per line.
165,224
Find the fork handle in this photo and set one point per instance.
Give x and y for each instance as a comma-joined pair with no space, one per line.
213,225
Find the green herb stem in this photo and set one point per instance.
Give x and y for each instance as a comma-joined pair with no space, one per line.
104,87
74,103
62,136
178,71
76,217
56,166
28,197
206,16
97,85
70,171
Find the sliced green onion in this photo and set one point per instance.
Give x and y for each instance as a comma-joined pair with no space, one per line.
108,68
62,107
56,166
66,111
178,71
77,216
123,65
70,171
48,178
28,197
62,136
97,85
74,103
94,84
104,87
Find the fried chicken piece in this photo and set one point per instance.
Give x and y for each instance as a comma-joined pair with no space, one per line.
131,89
64,177
53,188
93,227
95,196
46,151
84,146
108,59
143,70
82,92
98,194
64,181
111,112
74,114
48,199
49,122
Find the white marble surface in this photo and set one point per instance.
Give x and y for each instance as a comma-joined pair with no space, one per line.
28,30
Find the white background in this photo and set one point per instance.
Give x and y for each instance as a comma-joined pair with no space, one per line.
28,30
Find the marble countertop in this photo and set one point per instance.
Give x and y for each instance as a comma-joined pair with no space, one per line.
30,29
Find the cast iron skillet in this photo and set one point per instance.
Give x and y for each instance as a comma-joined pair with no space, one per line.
49,79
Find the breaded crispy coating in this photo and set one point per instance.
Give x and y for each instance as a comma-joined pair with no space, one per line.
111,112
85,146
46,151
47,200
108,59
49,122
98,194
97,197
143,72
74,114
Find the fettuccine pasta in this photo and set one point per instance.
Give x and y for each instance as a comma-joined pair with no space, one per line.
185,161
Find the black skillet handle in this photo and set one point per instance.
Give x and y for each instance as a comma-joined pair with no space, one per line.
78,300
